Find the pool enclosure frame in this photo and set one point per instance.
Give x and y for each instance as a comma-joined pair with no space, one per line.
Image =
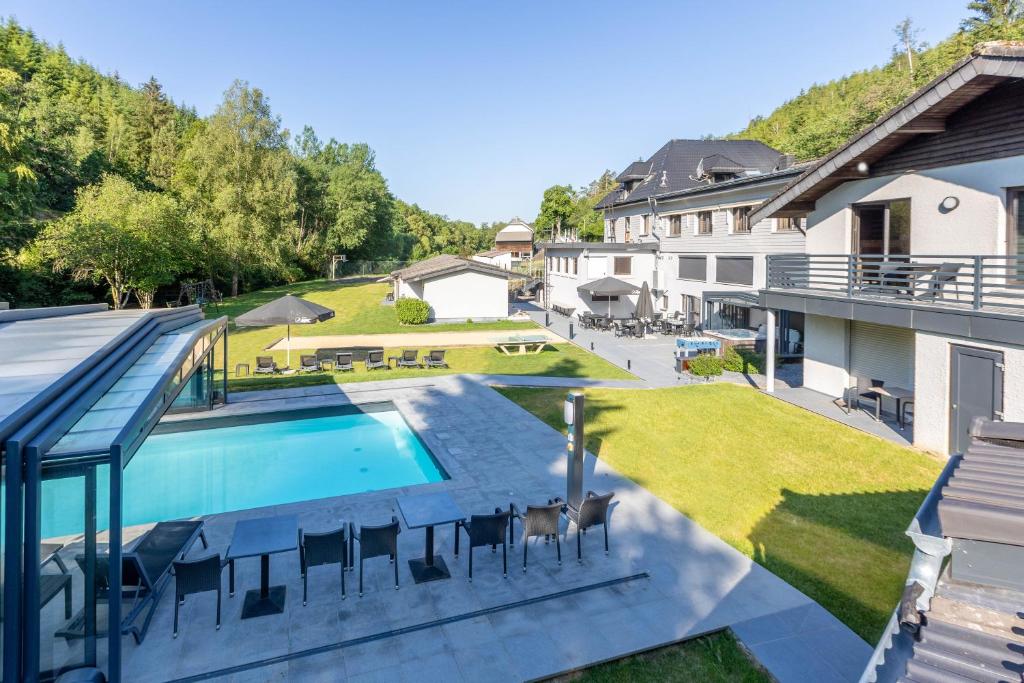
28,462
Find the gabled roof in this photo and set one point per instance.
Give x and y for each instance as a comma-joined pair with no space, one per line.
923,113
517,230
446,264
673,168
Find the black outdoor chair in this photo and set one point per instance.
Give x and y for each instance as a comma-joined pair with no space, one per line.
604,324
145,573
196,576
265,365
375,360
375,541
539,520
435,359
867,391
409,359
486,530
343,362
593,511
316,549
309,363
688,330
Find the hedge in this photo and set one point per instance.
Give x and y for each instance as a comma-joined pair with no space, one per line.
412,311
705,365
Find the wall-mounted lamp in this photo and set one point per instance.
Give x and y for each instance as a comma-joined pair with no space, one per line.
949,204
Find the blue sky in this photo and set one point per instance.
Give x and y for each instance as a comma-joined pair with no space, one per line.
474,108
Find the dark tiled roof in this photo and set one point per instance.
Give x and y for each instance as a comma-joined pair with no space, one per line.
443,265
637,170
673,168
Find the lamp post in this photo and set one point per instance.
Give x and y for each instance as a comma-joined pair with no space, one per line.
575,450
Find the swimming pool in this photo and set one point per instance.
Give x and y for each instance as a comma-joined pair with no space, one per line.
202,467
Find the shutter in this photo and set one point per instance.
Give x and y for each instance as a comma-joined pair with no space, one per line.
882,352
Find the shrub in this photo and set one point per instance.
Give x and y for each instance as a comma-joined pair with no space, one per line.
744,360
705,365
412,311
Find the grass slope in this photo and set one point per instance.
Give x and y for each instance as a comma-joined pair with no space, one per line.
358,308
820,504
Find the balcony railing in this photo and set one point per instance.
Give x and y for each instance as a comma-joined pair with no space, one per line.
990,282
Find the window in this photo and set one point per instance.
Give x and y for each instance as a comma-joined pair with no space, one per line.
623,265
690,308
675,226
882,228
647,225
735,270
787,224
664,301
741,219
575,265
604,297
1015,232
629,220
693,268
704,222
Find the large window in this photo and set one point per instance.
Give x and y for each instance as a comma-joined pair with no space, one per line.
675,226
735,270
741,219
1015,232
787,224
882,228
623,265
704,223
690,307
693,267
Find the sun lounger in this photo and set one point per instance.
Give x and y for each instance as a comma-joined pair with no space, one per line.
309,363
435,359
343,362
265,365
408,359
375,360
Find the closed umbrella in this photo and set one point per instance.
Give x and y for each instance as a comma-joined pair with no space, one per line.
288,310
644,307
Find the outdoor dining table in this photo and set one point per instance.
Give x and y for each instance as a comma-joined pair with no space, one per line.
900,395
425,511
264,537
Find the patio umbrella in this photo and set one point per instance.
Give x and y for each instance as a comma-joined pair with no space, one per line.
644,307
608,286
288,310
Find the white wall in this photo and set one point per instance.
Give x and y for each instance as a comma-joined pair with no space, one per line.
976,226
825,360
594,265
461,295
931,410
502,260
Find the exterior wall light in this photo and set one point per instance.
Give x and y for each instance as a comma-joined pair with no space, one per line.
949,204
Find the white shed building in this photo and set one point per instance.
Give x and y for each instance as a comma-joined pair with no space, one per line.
457,289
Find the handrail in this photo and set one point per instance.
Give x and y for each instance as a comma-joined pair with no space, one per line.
969,280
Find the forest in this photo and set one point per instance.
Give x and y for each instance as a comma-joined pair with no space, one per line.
114,191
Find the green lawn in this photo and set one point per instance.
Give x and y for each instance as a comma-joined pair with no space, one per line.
358,308
819,504
716,658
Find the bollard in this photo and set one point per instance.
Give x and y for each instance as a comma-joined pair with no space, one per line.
547,319
591,346
571,332
629,364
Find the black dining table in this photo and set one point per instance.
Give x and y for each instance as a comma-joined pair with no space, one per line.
425,511
262,537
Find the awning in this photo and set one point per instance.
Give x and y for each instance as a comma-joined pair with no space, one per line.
608,286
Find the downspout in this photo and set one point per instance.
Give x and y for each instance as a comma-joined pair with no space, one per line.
652,202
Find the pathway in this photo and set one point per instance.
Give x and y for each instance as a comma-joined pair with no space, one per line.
434,340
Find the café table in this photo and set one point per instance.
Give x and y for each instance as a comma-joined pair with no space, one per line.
425,511
900,395
262,537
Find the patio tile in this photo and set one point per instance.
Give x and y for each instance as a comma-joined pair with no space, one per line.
322,668
485,661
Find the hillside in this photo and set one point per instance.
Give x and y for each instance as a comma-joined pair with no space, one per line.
824,116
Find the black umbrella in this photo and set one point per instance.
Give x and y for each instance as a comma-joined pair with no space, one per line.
609,287
288,310
644,307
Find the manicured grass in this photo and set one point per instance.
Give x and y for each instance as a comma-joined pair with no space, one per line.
559,360
820,504
716,658
358,309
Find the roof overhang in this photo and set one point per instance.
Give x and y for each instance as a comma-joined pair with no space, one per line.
602,246
467,266
922,113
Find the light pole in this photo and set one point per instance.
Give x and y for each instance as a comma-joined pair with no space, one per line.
575,449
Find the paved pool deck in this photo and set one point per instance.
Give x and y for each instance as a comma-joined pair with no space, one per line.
666,579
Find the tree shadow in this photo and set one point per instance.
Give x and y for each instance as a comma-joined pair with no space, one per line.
848,551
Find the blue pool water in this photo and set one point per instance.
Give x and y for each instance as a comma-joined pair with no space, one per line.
268,460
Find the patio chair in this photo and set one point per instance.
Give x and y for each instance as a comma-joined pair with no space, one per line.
593,511
539,520
375,360
435,359
688,330
145,573
945,275
317,549
375,541
343,362
265,365
604,324
309,363
196,576
408,359
486,530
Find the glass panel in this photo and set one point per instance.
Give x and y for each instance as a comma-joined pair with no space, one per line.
74,505
196,394
1017,234
899,227
870,229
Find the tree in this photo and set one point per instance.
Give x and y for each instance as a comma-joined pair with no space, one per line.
556,208
130,239
237,178
907,42
992,13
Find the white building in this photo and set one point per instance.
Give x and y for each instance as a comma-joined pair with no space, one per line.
457,289
679,221
516,239
496,257
914,260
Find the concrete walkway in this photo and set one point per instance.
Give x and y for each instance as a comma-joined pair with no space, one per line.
435,340
666,579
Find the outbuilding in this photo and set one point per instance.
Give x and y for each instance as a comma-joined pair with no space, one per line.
456,288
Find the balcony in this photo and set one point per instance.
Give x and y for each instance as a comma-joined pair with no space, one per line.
958,294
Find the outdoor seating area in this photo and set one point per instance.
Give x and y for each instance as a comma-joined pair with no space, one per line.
631,326
344,360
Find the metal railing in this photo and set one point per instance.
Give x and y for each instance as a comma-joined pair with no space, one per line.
974,281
